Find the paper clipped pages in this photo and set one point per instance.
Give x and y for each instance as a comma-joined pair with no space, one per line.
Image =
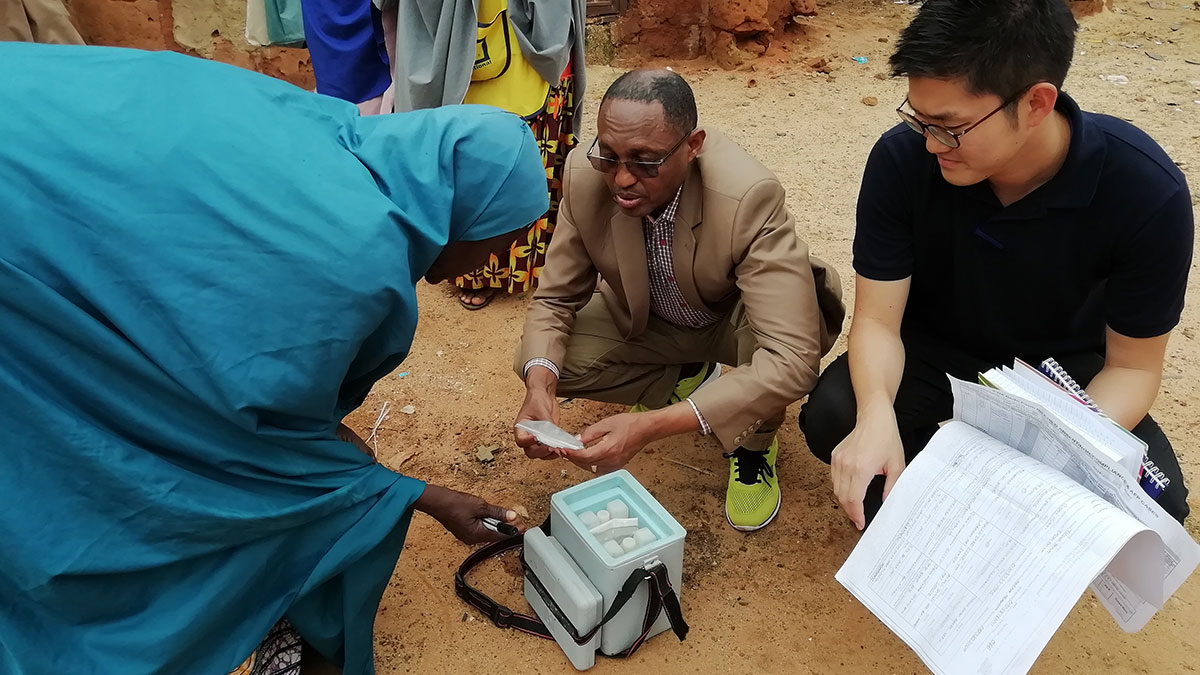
990,536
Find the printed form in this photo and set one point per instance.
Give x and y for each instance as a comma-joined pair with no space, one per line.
1025,426
981,551
1027,383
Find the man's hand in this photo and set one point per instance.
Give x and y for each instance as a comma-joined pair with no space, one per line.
612,442
872,449
541,403
462,514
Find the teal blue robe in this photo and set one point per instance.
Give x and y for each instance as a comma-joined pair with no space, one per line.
202,270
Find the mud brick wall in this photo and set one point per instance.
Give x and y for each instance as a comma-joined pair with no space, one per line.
213,29
730,31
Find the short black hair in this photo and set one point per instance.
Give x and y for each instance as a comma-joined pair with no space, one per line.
997,46
664,87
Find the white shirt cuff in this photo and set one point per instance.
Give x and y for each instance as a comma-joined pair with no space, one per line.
539,361
704,428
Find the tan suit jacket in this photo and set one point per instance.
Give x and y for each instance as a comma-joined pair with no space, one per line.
734,239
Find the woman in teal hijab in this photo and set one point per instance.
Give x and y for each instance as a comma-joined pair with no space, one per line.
202,271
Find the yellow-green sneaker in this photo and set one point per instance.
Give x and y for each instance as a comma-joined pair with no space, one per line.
752,498
687,386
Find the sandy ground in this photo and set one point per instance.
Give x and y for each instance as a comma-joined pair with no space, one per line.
764,602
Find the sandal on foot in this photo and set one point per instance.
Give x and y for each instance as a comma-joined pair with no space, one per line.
465,298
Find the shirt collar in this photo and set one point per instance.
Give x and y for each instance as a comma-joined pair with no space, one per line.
668,213
1075,184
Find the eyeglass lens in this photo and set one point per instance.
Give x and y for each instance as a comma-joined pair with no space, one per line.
939,134
609,165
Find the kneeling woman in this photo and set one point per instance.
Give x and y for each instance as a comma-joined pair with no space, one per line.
202,271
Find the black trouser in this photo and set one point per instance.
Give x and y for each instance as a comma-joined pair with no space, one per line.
924,399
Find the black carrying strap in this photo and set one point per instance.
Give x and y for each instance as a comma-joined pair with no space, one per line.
662,598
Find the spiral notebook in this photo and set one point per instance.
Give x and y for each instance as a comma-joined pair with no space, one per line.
1150,476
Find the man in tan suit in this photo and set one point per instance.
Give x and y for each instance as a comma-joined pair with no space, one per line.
698,264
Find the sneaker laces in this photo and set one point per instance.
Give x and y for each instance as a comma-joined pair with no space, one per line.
751,465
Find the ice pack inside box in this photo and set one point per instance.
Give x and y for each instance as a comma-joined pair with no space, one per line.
575,596
607,570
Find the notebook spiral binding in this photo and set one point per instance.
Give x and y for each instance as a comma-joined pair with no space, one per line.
1151,478
1051,369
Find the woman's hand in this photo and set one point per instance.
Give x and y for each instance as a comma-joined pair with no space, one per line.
462,514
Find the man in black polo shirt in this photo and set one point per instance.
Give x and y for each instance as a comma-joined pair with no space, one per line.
1011,224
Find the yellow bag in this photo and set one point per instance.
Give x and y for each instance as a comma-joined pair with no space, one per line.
501,76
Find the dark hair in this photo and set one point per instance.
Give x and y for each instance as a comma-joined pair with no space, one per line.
997,46
664,87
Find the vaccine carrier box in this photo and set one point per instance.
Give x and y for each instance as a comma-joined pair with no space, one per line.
601,532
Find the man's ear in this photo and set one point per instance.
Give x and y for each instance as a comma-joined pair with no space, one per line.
1040,100
695,143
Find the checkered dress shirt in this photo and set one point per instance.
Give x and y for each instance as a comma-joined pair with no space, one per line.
666,301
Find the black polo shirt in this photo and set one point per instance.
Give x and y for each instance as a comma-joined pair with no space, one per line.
1107,241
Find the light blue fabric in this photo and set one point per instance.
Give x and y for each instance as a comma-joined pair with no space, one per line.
285,22
202,270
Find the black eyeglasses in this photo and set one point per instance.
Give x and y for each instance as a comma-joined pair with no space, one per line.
942,134
638,169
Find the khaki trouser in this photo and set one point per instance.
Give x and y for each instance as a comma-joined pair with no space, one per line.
601,365
45,21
